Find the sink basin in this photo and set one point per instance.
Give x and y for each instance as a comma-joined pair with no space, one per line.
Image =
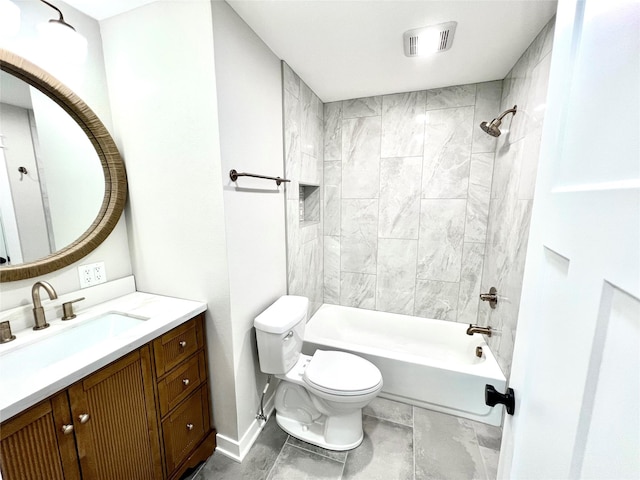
37,356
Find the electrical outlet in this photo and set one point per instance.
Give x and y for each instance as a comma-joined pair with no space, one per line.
92,274
99,273
85,272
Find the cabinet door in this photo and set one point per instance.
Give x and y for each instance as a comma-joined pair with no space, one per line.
34,444
115,418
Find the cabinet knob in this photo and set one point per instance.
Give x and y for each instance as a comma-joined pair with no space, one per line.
182,344
67,429
84,417
189,426
186,381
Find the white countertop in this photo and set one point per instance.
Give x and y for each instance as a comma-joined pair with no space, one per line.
19,392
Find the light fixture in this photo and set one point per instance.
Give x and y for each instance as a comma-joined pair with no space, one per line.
428,40
60,35
9,19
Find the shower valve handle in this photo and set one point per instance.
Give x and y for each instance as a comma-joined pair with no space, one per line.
492,397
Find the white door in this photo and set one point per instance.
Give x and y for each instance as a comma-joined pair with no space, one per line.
576,365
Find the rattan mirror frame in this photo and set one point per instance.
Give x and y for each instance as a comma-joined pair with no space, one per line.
112,164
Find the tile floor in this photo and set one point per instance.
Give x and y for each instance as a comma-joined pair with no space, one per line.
400,442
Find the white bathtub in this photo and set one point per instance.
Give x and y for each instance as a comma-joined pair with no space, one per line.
424,362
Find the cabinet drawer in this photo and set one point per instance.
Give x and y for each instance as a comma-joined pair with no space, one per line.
175,346
185,428
179,383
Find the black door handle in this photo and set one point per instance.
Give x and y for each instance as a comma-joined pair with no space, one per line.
492,397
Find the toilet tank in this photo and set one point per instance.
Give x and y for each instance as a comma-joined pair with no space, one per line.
280,333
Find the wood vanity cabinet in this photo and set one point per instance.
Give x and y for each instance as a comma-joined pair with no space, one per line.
144,416
183,397
33,445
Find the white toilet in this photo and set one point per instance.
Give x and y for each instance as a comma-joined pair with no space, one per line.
320,398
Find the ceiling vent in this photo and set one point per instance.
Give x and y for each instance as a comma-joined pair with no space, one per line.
428,40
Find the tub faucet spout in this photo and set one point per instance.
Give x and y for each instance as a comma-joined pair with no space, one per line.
476,329
38,309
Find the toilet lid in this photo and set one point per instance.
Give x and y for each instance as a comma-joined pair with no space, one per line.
342,373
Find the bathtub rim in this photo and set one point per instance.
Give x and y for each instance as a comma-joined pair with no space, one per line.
489,367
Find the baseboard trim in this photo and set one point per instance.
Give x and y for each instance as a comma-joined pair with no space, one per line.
236,450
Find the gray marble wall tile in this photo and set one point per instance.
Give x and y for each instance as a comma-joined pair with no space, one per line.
441,238
385,453
310,170
531,142
358,243
312,265
514,127
403,124
293,155
445,448
456,96
311,141
396,280
294,246
332,207
447,152
303,149
446,174
333,131
291,80
361,157
400,189
487,108
358,290
506,170
470,280
437,300
478,197
549,32
301,464
333,173
332,270
362,107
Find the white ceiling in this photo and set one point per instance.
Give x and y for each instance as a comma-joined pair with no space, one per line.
350,49
353,48
101,9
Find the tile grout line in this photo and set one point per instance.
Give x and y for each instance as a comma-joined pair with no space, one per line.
276,460
299,447
413,438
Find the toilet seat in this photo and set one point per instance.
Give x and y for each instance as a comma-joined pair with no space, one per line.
342,374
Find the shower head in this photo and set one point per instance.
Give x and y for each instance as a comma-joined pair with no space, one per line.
493,127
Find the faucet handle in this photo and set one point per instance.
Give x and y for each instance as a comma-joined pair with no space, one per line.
5,332
67,309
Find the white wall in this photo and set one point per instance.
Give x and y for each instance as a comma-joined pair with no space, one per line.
162,87
184,240
88,82
249,88
25,188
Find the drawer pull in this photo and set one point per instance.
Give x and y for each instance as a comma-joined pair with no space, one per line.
84,418
189,426
185,381
182,344
67,429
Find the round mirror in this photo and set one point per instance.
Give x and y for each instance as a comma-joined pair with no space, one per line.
63,185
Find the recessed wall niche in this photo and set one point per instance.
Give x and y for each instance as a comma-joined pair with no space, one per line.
309,204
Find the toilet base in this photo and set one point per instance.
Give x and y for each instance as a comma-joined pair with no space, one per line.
337,433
